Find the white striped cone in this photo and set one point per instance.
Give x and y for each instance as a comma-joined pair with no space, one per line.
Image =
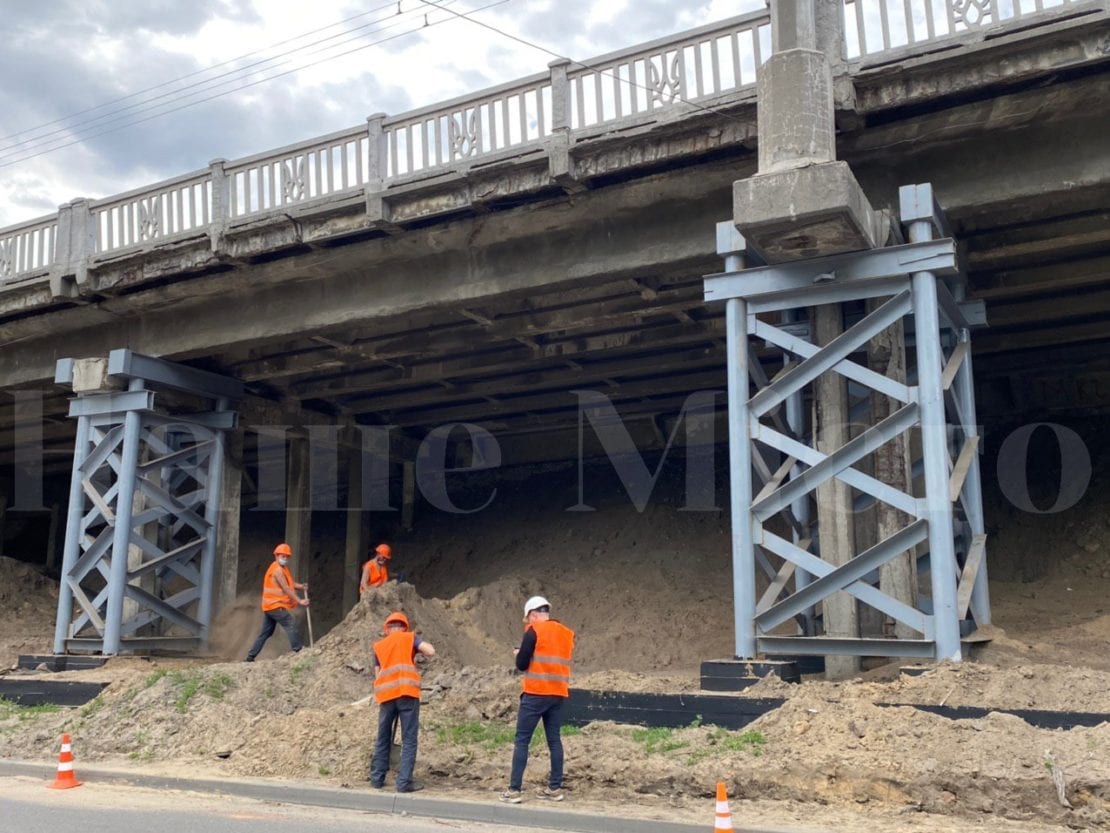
66,777
724,816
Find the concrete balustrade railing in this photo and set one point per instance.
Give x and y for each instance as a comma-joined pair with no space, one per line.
531,115
878,26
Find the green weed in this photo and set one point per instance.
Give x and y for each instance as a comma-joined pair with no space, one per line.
300,669
92,707
10,708
658,739
476,733
218,684
323,770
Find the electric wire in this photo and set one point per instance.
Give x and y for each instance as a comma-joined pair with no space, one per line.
7,161
583,64
198,88
201,71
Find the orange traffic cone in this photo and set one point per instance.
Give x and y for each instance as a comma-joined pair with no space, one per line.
724,817
66,777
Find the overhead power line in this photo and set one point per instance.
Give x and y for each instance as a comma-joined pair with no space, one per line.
562,57
6,161
195,73
196,88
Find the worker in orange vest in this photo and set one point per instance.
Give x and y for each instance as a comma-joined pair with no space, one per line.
545,656
278,598
374,572
397,690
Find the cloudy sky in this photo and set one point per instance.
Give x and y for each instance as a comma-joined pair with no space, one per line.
100,96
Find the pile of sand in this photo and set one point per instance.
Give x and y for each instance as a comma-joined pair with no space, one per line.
28,609
650,597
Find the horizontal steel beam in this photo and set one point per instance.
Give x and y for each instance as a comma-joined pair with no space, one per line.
108,404
139,643
127,364
818,274
835,646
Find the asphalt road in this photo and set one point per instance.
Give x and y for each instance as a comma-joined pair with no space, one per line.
27,806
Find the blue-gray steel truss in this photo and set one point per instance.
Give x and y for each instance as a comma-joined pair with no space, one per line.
772,452
144,502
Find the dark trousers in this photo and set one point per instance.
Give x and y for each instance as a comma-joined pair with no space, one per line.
270,620
533,708
407,710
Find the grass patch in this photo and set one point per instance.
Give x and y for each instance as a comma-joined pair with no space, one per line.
218,684
476,733
570,731
324,770
154,678
92,707
658,740
191,682
722,741
299,669
10,708
750,741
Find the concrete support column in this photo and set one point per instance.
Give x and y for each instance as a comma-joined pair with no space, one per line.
356,529
408,495
886,355
226,582
836,533
52,536
298,506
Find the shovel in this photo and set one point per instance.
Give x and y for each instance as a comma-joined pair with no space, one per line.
308,615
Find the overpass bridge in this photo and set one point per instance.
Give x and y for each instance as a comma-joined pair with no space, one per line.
478,260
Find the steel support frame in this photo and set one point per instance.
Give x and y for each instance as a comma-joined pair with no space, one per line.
914,278
144,502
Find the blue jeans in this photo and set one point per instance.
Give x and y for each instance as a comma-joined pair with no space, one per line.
270,620
407,710
533,708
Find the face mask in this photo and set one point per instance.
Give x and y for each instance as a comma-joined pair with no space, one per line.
282,560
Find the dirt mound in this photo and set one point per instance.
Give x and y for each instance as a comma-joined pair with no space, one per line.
28,609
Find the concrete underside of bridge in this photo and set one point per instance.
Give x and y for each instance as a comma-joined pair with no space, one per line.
490,296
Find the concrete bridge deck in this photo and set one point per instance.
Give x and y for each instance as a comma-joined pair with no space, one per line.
443,265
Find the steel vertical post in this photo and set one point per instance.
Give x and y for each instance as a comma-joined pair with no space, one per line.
973,484
121,538
211,535
740,477
934,443
72,546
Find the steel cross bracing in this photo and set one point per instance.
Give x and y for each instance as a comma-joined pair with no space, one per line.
141,530
917,282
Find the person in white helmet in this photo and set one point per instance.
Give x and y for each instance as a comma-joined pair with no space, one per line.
545,655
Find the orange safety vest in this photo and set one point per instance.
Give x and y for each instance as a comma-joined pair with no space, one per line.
549,672
273,597
377,575
398,676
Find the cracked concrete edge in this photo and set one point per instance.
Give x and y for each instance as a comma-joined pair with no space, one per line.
423,806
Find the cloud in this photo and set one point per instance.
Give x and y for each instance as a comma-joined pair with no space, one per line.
72,55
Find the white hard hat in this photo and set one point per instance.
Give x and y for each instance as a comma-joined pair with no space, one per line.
535,602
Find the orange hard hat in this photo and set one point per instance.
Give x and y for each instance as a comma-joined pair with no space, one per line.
397,617
384,550
283,549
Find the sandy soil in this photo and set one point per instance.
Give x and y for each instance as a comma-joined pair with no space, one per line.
629,584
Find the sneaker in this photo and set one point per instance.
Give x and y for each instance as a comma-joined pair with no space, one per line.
511,796
413,787
551,795
377,785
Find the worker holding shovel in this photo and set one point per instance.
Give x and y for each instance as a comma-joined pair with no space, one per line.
279,597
